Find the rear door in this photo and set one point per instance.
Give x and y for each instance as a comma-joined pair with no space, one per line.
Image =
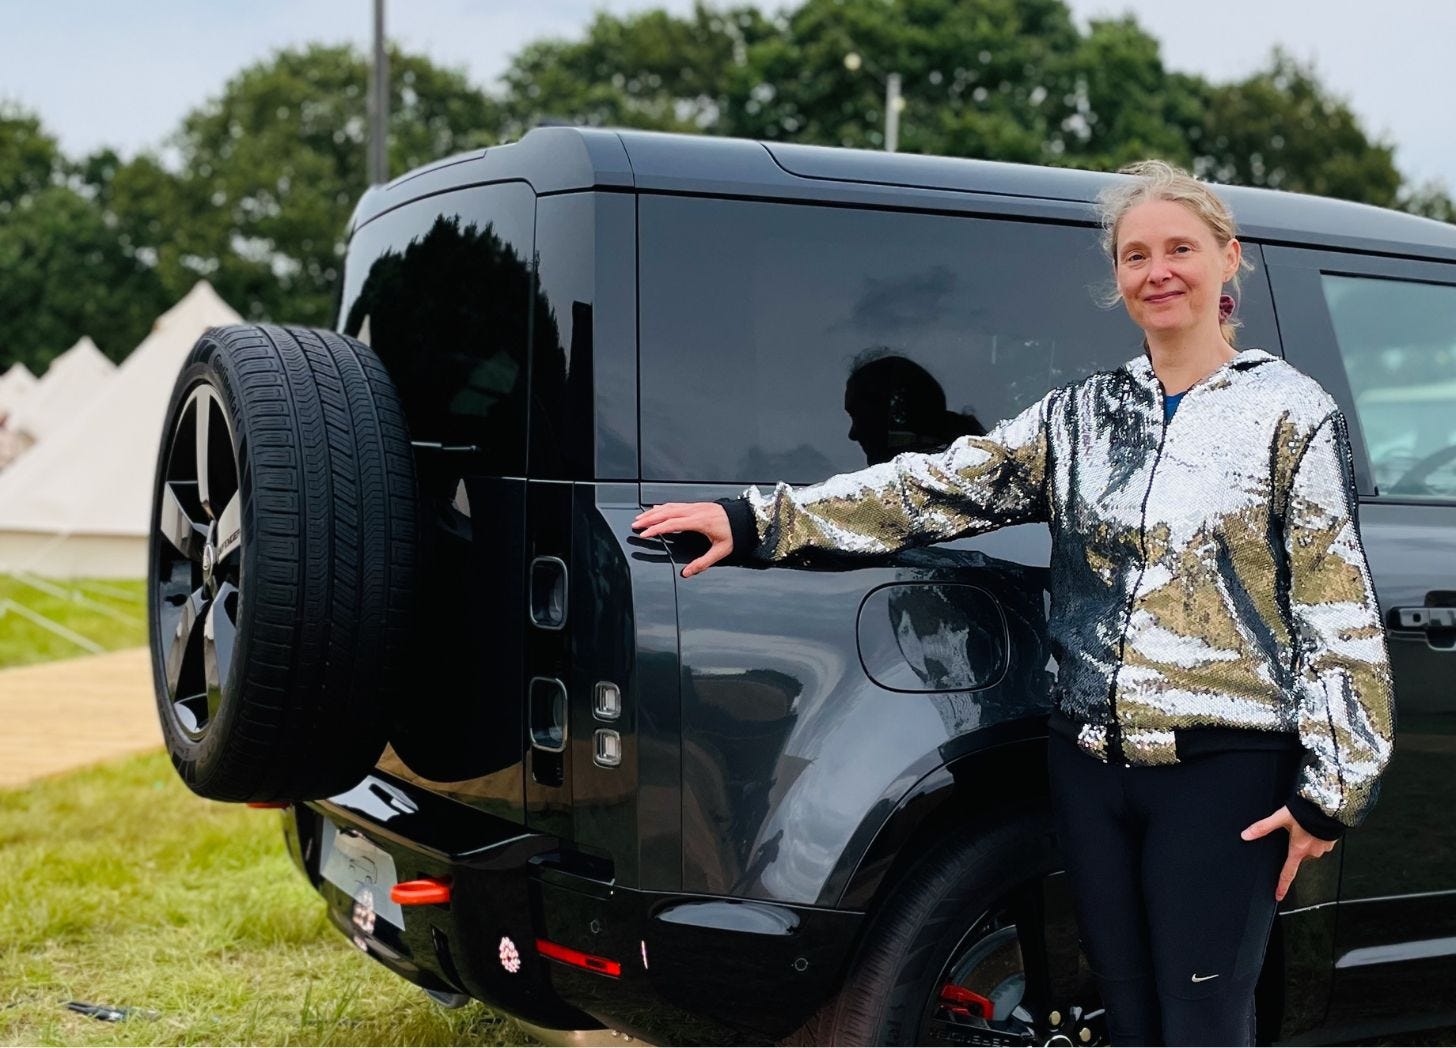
1380,335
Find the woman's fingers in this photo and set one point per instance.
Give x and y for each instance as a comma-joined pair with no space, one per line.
705,518
1286,875
715,553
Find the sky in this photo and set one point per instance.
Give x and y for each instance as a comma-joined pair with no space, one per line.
123,74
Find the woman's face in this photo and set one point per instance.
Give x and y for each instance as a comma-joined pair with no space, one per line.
1170,268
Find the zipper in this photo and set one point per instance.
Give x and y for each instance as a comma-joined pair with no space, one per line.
1114,731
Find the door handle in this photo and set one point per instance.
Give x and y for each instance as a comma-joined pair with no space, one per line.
1436,621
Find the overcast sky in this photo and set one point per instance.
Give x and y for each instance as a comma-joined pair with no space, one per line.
123,74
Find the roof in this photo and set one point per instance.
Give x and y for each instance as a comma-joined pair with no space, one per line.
67,384
566,159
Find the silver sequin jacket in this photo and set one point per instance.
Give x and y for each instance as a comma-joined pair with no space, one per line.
1206,573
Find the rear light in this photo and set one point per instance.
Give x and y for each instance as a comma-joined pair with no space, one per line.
423,892
606,701
567,955
270,804
607,748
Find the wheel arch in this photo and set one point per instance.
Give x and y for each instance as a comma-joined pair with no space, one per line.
1004,764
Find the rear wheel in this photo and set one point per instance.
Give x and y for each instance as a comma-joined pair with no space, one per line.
282,563
977,944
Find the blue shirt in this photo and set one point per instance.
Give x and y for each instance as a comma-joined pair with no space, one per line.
1170,405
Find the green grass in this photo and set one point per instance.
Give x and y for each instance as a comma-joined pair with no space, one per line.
109,613
120,887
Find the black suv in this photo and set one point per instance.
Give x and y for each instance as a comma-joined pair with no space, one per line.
803,803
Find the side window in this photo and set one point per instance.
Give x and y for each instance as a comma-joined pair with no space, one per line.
791,342
1397,340
441,289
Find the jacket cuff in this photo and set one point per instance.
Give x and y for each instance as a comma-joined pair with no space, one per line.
743,526
1314,821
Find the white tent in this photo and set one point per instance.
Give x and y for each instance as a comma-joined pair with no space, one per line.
15,385
79,502
70,382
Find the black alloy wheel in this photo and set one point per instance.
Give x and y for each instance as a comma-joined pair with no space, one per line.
974,944
282,564
199,561
1017,978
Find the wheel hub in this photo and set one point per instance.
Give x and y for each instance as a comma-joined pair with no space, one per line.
209,562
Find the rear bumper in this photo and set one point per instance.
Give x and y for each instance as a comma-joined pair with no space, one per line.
663,967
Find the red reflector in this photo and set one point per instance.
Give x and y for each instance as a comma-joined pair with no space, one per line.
567,955
269,804
963,1001
422,892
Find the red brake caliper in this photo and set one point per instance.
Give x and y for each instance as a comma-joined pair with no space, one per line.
965,1004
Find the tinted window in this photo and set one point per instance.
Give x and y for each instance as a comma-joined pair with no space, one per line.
441,289
1397,340
790,342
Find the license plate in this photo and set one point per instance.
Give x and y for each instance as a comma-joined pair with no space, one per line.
365,872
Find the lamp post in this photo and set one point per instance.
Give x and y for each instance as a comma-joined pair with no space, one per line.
894,101
379,103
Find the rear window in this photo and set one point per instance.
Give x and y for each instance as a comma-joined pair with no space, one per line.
441,288
791,342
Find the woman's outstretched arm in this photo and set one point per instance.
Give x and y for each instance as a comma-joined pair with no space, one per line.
977,484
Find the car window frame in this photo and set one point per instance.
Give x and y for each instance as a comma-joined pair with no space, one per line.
1311,344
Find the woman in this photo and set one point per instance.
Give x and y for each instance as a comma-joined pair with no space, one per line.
1222,671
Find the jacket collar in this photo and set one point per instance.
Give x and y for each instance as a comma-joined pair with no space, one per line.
1140,367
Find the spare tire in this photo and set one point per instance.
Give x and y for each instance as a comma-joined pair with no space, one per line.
282,563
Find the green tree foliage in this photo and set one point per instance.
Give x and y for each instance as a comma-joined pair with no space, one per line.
66,275
1283,129
29,159
999,79
268,172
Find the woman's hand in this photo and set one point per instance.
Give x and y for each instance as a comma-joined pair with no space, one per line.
1302,845
706,518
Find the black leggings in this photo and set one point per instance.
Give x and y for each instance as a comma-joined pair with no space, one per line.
1174,907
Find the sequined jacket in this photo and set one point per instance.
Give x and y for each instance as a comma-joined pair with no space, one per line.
1207,574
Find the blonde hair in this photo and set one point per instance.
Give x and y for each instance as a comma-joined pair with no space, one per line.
1160,180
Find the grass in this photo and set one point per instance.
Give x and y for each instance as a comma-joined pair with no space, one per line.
110,614
122,888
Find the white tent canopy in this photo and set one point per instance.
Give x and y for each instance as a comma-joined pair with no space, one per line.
72,379
79,502
15,385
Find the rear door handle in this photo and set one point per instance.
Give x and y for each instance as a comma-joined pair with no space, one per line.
1438,623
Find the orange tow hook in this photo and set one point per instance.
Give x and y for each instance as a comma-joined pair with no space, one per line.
423,892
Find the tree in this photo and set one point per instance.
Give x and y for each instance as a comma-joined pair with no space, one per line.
269,171
999,79
1283,129
65,276
29,158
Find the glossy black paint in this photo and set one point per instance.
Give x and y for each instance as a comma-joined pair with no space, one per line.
791,737
693,969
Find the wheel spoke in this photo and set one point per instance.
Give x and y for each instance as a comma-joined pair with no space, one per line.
181,642
202,401
178,528
218,634
229,529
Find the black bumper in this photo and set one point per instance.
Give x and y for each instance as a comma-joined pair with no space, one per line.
663,967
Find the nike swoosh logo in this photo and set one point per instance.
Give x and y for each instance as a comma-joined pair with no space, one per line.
1204,978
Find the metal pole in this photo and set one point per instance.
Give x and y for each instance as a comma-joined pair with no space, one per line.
379,103
892,113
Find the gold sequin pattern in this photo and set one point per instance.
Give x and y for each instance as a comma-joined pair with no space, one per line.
1205,573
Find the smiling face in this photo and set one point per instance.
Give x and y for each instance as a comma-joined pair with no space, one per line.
1171,268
